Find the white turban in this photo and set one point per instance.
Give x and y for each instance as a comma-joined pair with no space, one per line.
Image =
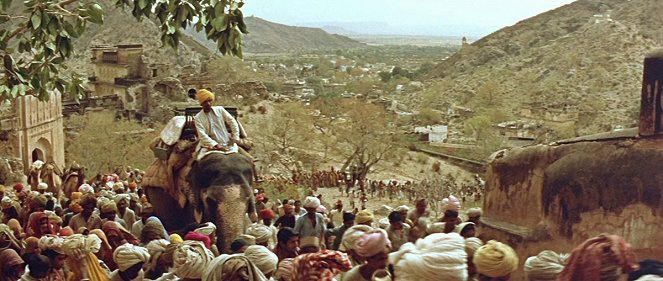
37,164
402,208
261,232
156,248
472,244
473,212
436,227
650,277
42,186
262,257
225,266
451,203
547,265
207,229
191,259
78,245
352,235
311,202
128,255
121,197
439,256
85,188
109,185
51,242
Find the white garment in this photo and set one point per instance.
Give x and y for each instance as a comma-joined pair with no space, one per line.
137,228
211,129
173,130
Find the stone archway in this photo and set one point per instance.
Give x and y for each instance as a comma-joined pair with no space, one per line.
42,150
37,154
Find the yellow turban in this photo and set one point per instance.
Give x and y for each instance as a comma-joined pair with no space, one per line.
364,216
495,259
205,95
176,238
2,188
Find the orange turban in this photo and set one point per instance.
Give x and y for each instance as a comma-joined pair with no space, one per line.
205,95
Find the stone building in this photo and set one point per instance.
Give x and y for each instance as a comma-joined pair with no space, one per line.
32,130
123,74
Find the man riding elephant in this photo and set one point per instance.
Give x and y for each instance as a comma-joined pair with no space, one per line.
211,127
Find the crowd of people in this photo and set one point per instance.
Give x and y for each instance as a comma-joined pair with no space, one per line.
107,231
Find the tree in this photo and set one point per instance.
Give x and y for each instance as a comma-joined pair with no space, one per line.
36,43
289,128
364,137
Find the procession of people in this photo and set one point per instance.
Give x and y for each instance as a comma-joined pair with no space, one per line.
107,230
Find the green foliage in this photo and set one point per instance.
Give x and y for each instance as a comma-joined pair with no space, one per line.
478,126
428,116
34,45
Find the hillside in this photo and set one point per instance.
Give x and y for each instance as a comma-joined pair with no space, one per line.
584,57
269,37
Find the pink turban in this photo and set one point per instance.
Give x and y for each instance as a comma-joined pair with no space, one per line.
451,204
195,236
372,243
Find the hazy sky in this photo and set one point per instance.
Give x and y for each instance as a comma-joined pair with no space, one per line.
434,17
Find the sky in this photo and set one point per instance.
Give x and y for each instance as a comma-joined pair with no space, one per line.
402,17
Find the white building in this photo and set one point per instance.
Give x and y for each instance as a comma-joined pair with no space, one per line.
435,134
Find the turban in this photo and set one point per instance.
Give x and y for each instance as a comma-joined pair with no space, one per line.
42,186
598,258
133,185
249,239
18,187
195,236
496,259
128,255
41,200
156,248
284,271
109,185
9,258
402,208
85,188
261,232
451,204
232,267
474,212
364,216
153,229
288,207
320,266
2,188
472,244
204,95
190,259
321,209
650,277
109,207
262,257
311,202
66,231
352,235
372,243
76,196
78,245
439,256
7,202
206,229
468,224
267,214
117,186
8,230
547,265
88,198
176,238
37,164
118,198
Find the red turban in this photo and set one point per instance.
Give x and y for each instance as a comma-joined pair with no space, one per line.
195,236
267,214
18,187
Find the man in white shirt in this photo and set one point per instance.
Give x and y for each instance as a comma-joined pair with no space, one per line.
211,127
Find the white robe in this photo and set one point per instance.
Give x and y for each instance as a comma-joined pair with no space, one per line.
211,129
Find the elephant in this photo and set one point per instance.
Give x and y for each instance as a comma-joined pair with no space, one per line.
220,191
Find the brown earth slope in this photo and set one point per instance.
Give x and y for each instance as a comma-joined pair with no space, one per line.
586,55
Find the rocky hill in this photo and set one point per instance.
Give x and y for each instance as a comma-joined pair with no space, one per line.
269,37
584,57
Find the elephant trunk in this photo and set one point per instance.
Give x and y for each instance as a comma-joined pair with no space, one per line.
227,207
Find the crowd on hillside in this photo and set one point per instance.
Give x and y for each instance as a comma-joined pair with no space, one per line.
107,231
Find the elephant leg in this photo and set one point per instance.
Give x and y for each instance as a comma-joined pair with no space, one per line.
226,207
168,210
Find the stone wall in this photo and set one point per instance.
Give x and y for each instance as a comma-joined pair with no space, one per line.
557,196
